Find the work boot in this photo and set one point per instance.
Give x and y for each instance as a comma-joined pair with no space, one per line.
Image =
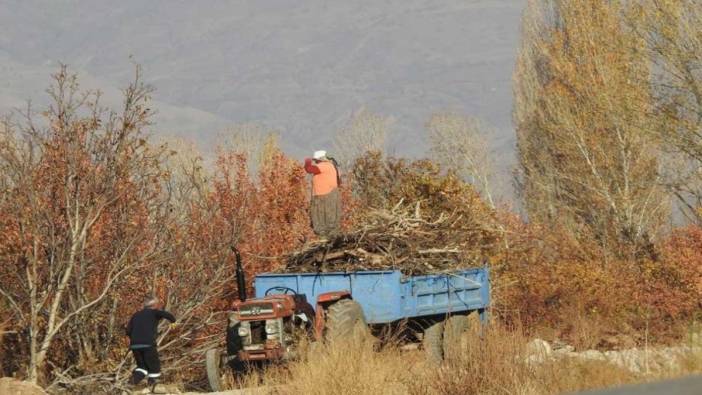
137,376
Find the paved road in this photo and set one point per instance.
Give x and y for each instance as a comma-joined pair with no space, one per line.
686,386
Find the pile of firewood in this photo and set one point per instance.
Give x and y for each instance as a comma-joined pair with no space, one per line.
401,238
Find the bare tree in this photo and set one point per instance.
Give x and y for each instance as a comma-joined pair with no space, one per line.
458,143
189,174
252,140
365,132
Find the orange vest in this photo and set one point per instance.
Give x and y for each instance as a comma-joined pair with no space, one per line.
325,181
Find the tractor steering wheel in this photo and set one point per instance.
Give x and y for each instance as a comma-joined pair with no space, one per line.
284,289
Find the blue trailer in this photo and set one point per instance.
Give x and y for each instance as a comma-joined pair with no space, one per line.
328,306
390,296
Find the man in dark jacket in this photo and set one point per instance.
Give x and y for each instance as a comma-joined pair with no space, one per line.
142,340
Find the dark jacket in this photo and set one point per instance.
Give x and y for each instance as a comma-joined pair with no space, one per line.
143,325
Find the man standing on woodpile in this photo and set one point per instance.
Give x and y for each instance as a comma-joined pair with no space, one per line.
141,330
325,208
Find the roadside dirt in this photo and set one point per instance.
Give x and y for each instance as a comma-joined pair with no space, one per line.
10,386
637,360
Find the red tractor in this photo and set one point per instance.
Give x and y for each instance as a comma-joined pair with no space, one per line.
269,328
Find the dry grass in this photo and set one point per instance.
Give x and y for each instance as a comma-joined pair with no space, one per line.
350,367
493,363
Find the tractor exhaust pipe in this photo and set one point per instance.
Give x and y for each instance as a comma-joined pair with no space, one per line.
240,276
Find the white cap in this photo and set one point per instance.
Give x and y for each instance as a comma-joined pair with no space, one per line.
319,154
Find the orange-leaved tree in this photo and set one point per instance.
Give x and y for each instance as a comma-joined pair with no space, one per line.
264,216
77,215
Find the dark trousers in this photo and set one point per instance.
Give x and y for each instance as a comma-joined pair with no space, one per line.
148,364
325,211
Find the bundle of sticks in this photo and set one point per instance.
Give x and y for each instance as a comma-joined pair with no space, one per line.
400,238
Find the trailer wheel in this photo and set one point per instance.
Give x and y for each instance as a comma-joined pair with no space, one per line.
215,369
344,319
433,342
455,327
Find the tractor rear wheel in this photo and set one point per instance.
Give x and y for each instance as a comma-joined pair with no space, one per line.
344,319
432,342
216,369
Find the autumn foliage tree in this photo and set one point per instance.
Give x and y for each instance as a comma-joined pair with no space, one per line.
94,218
79,208
267,216
587,143
672,32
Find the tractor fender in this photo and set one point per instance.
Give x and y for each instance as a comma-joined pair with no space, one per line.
328,297
323,302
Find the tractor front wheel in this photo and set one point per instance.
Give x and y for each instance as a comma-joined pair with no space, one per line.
216,368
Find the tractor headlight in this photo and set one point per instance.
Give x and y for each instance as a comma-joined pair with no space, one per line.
272,327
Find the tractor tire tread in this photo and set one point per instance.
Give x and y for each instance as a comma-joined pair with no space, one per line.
343,318
214,368
432,342
454,328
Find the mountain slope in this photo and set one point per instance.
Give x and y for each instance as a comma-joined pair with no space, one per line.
299,66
